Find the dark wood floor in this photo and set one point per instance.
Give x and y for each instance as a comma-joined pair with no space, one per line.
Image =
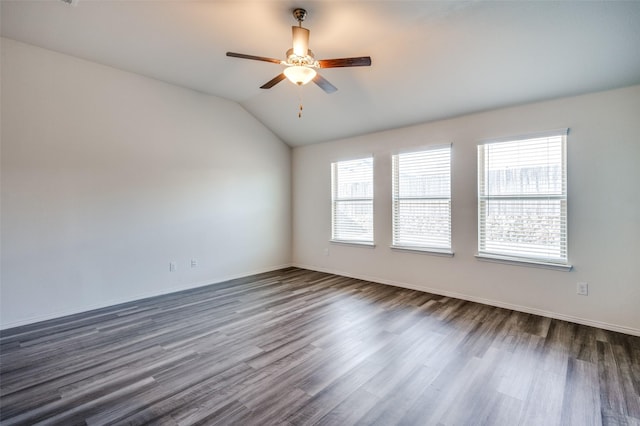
298,347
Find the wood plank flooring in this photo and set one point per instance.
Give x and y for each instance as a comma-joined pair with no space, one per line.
296,347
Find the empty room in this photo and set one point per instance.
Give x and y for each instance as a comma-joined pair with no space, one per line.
320,212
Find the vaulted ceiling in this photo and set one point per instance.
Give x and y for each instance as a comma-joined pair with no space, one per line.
430,59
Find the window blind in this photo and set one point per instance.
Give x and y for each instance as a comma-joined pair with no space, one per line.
352,200
422,199
522,198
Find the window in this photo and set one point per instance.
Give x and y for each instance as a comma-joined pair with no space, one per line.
522,198
352,201
422,200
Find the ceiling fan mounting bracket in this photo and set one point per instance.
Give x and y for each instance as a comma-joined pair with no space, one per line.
299,14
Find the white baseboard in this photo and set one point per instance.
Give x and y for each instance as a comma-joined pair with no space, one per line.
496,303
112,302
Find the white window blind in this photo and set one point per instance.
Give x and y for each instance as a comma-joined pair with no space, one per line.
522,198
422,199
352,201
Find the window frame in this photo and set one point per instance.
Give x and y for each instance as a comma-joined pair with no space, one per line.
519,259
396,199
336,200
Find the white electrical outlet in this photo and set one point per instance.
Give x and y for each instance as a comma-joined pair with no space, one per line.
172,266
582,289
194,263
326,252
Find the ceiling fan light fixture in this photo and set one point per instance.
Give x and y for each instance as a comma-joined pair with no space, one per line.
299,74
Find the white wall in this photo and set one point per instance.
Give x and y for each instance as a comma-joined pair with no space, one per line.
107,176
604,211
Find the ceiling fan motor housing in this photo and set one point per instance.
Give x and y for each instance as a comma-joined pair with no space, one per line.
306,61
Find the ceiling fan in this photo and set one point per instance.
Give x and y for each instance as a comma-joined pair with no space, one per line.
301,64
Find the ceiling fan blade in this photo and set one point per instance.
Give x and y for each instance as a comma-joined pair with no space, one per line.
255,58
361,61
324,84
275,80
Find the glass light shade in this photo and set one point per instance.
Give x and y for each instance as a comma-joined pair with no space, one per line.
299,75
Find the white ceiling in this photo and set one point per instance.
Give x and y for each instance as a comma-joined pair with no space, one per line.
430,60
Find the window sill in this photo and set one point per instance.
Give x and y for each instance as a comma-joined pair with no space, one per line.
519,262
430,251
367,244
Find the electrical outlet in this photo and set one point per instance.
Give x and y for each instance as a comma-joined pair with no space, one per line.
194,263
172,266
582,289
326,252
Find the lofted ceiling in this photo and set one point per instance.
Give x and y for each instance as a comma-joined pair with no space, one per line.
430,59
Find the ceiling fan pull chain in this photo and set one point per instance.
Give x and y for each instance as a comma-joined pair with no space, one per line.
300,98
